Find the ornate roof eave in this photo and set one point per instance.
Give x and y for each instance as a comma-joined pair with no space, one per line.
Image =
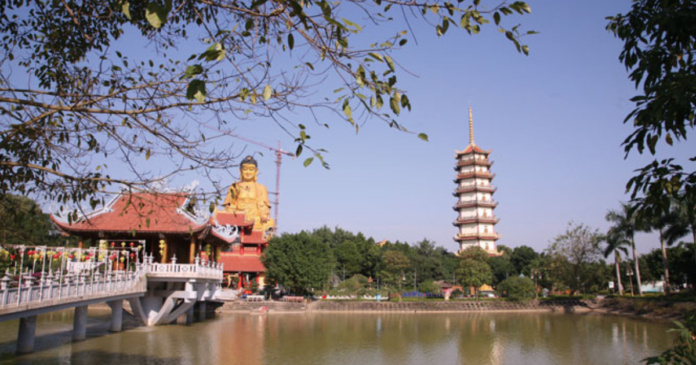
461,222
197,219
477,237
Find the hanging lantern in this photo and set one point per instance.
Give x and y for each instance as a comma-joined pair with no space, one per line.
122,259
132,244
132,256
123,244
113,244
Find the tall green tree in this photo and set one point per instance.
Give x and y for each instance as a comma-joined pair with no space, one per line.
580,246
616,243
627,222
474,273
88,96
521,257
501,269
24,223
298,261
394,264
347,259
684,210
661,223
659,51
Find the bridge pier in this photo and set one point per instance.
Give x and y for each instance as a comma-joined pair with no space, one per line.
80,323
116,315
190,316
26,335
201,311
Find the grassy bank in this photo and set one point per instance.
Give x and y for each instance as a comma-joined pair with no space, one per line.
673,306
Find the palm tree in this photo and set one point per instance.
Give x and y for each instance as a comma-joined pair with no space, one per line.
616,243
626,222
663,223
684,209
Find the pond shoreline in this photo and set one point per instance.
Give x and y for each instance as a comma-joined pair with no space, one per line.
603,307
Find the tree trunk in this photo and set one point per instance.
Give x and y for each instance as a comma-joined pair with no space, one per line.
665,284
637,267
618,272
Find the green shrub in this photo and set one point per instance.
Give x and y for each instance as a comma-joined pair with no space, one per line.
517,288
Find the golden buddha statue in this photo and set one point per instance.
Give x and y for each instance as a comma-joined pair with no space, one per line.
249,197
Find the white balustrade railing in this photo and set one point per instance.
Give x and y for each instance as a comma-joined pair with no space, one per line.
61,273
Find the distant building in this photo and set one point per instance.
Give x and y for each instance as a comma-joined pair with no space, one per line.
475,206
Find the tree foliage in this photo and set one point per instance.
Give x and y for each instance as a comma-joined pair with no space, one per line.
23,223
659,51
298,261
473,273
580,247
394,263
91,84
518,288
521,257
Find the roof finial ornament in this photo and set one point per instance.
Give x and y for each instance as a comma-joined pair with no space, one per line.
471,128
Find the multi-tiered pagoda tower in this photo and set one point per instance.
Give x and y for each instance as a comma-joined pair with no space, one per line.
476,220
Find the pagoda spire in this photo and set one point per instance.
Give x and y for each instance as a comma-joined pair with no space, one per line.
471,128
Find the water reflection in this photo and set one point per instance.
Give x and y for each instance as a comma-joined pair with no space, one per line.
467,338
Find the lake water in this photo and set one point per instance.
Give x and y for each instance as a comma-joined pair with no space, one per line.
362,338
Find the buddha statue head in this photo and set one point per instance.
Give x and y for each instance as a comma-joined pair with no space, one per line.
248,169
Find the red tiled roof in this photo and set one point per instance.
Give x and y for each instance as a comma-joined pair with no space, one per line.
237,263
233,219
140,212
254,237
472,148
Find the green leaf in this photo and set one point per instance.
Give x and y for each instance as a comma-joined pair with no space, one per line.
496,18
125,9
308,161
347,110
291,41
156,15
376,56
214,53
298,152
196,90
390,63
267,92
423,136
192,71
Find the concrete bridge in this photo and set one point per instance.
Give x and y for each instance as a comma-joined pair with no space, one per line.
157,293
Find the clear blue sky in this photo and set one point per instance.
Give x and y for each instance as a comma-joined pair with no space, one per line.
553,120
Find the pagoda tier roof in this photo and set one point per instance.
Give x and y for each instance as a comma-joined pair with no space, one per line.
472,161
474,174
152,212
471,148
490,220
477,236
476,203
241,263
472,188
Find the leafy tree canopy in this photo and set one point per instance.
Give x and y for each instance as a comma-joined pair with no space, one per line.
77,96
298,261
659,51
517,288
473,273
521,257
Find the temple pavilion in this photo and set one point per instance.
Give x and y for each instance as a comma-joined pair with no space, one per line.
475,205
168,224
